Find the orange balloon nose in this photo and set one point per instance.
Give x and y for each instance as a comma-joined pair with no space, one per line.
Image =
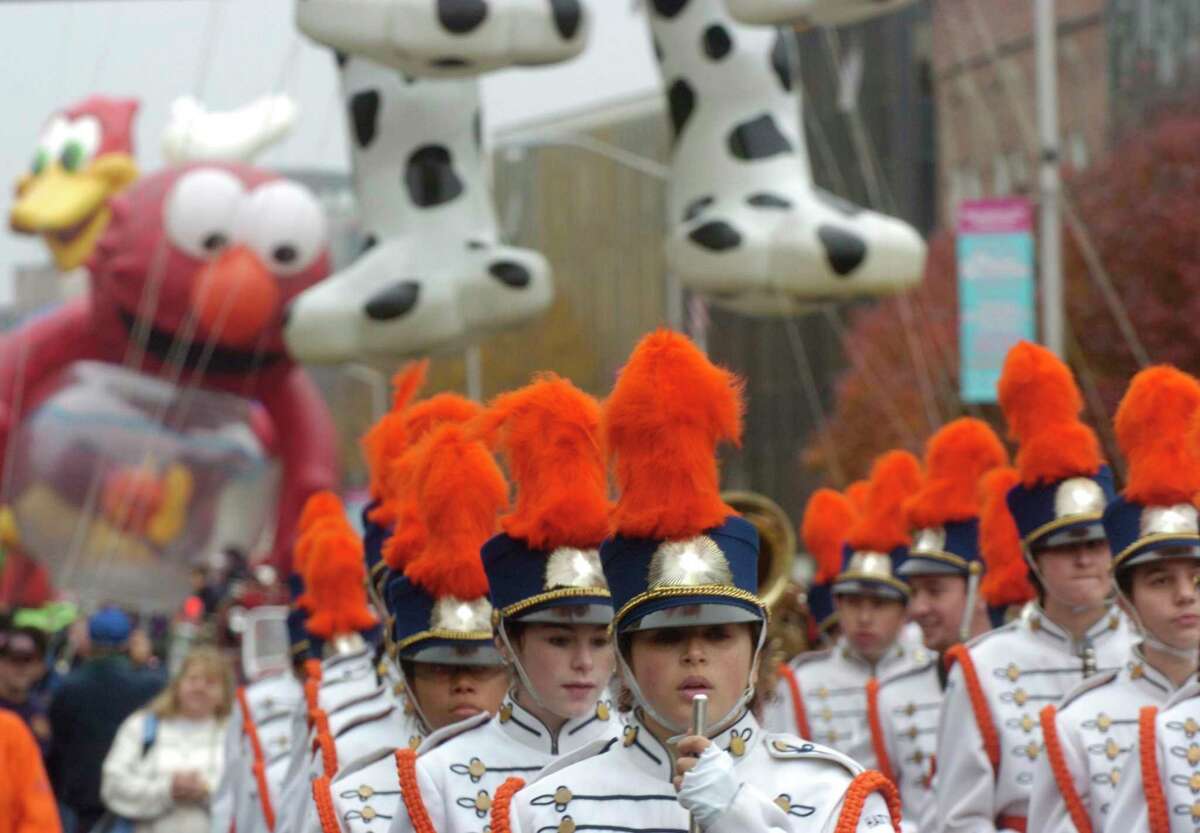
235,297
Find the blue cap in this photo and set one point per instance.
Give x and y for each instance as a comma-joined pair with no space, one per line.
717,569
950,549
447,631
110,626
866,573
525,583
1140,534
820,605
1064,512
373,537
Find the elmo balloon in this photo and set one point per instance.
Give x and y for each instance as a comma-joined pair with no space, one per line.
190,283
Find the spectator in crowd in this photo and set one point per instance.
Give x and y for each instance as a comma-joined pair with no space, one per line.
26,800
167,758
22,667
86,711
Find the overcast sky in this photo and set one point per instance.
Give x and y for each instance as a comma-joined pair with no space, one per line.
226,52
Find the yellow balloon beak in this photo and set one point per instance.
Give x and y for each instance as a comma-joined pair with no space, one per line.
69,208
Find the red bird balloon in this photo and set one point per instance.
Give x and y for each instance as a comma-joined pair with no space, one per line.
191,282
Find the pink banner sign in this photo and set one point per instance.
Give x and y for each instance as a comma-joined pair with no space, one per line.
1004,215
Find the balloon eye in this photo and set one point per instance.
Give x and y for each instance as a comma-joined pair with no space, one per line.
72,156
284,254
214,242
40,161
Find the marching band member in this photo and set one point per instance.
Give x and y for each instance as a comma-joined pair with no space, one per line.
436,593
683,573
552,610
943,570
1154,531
823,698
989,736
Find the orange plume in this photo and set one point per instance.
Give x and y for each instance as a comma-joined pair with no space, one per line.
856,492
882,526
1041,404
549,432
388,437
1152,425
1006,580
398,508
960,453
827,519
670,408
459,492
337,586
319,503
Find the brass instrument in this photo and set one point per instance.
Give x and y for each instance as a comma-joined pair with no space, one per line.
787,633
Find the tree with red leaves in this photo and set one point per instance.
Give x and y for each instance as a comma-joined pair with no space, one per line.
1142,208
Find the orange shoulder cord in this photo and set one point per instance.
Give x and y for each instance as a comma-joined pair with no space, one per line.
1062,773
802,728
325,743
979,705
860,788
258,765
501,821
406,768
323,798
1156,802
877,742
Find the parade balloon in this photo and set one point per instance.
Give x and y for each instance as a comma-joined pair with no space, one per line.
119,479
84,156
189,287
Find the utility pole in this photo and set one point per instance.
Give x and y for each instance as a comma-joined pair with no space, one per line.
1045,36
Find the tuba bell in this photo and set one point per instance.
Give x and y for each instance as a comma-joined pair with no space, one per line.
787,632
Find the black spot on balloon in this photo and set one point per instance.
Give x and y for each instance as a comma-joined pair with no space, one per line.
717,42
369,242
716,236
668,8
448,63
430,176
476,244
364,111
568,15
511,274
341,57
842,206
844,250
758,138
697,207
682,99
765,199
781,58
461,16
393,302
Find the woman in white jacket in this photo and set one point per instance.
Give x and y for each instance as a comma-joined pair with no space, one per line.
167,758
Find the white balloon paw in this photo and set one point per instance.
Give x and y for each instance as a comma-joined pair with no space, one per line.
812,12
433,277
448,38
749,227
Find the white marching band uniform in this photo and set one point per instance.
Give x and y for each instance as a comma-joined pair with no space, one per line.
908,704
783,784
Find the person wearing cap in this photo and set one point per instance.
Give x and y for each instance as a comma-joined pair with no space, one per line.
1154,528
435,590
551,614
823,697
22,667
88,708
990,736
330,556
682,570
944,571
